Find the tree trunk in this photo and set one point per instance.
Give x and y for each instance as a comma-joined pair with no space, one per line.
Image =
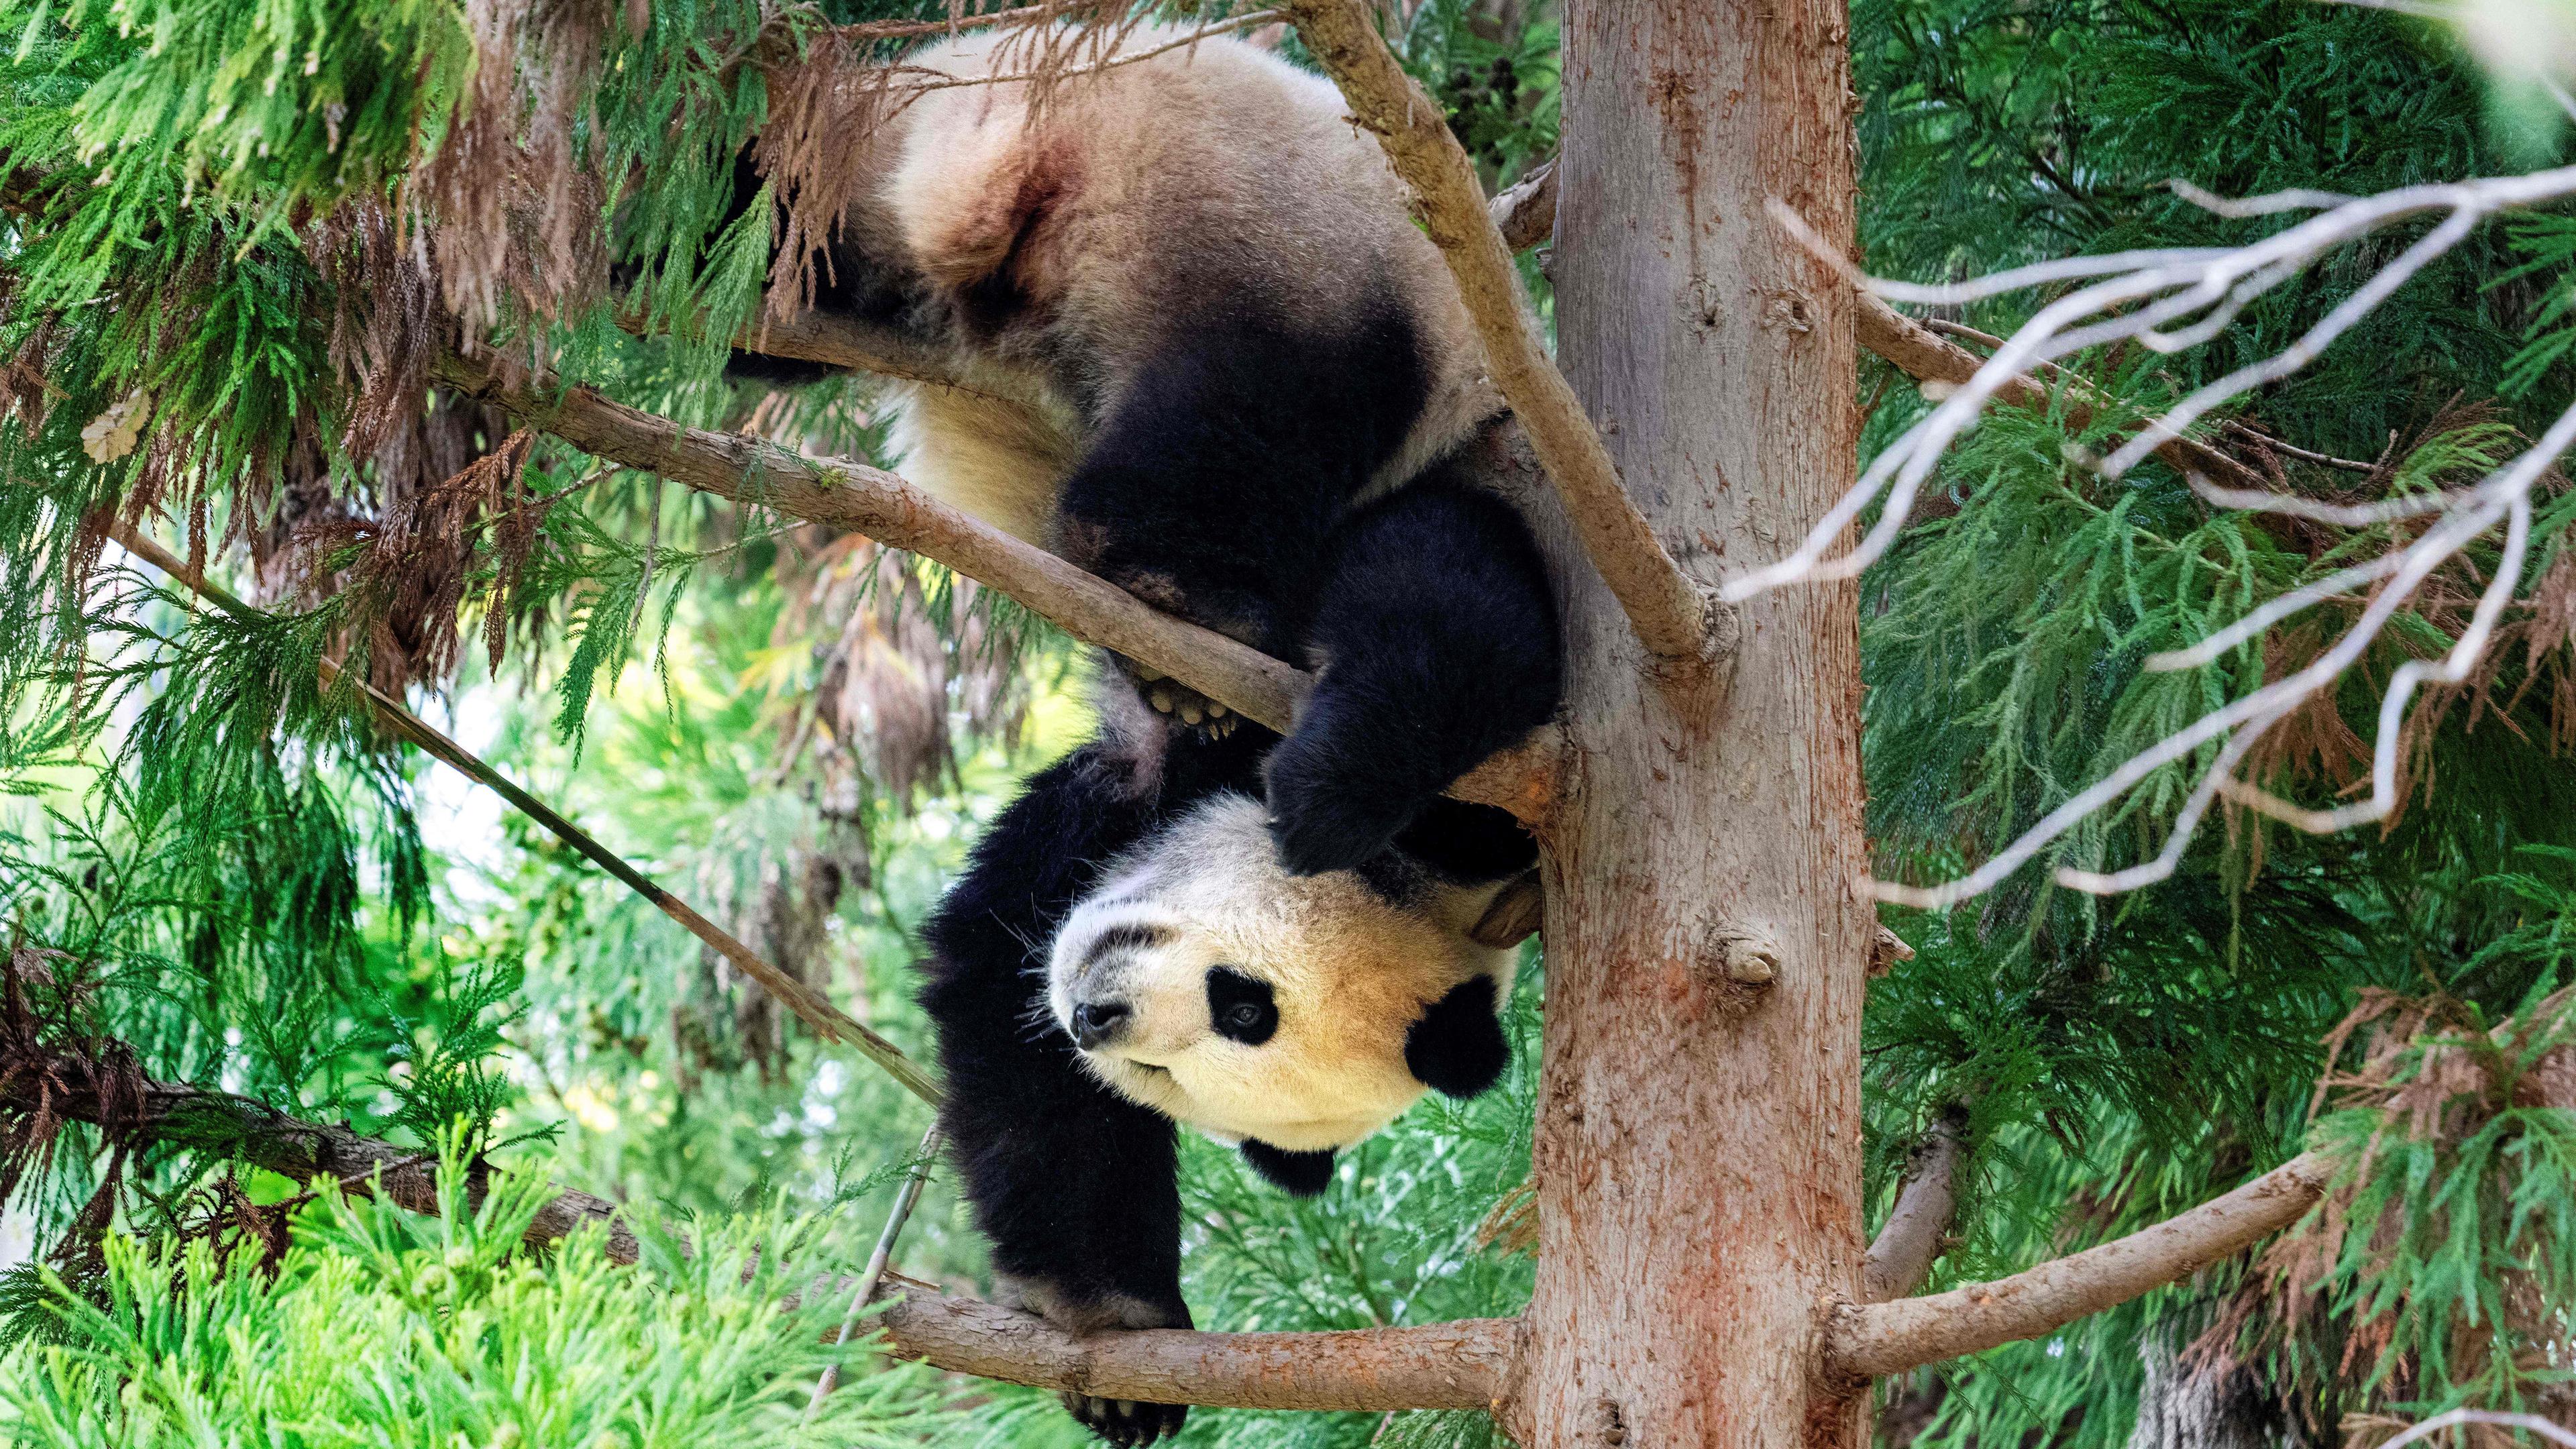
1699,1128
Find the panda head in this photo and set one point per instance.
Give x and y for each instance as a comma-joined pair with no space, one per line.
1292,1014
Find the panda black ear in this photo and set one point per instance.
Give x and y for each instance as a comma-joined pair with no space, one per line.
1298,1174
1457,1048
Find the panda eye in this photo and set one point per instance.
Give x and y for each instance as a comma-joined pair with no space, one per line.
1240,1007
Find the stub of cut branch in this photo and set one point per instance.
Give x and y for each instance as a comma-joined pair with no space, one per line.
1673,617
1902,1253
853,496
1865,1340
1460,1365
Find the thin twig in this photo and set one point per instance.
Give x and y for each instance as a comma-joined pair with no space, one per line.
948,82
1672,616
810,1006
878,1260
2451,1418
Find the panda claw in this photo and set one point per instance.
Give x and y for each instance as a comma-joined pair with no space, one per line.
1191,713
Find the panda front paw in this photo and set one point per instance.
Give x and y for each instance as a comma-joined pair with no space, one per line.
1082,1313
1125,1422
1324,814
1204,716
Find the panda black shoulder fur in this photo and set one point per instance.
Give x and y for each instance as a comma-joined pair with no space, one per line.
1213,360
1125,951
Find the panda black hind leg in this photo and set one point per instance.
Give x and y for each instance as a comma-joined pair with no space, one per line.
1437,641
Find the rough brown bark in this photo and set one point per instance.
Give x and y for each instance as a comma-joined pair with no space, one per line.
1698,1142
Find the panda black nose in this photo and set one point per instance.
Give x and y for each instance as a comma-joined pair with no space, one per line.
1095,1022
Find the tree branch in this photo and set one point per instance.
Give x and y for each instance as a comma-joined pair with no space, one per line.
263,1137
1672,616
1525,214
1910,1239
1460,1365
867,500
1865,1340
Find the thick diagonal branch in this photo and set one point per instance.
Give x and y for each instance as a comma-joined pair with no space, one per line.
1865,1340
1436,1366
871,501
1671,614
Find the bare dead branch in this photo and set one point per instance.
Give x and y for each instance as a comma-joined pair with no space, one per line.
2168,301
812,1007
301,1151
1865,1340
1902,1253
1461,1365
1672,616
861,499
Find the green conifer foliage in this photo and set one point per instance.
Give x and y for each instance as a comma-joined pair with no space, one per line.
233,236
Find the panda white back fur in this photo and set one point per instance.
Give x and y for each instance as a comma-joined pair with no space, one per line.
1108,195
1204,981
1207,355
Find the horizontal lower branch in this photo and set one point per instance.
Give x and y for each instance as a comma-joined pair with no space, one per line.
861,499
1461,1365
1865,1340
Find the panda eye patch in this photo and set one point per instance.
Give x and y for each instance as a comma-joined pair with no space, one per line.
1240,1007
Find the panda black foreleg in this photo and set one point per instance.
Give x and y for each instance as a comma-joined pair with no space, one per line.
1074,1186
1437,640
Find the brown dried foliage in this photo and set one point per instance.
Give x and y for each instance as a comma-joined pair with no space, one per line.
2423,1062
403,574
2317,743
510,196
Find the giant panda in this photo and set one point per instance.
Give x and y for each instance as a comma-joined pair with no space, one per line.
1211,358
1208,356
1127,952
